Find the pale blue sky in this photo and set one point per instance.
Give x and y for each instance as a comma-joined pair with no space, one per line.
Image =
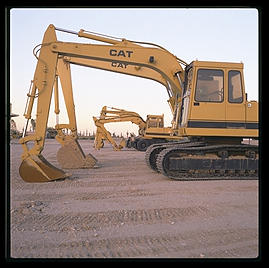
229,35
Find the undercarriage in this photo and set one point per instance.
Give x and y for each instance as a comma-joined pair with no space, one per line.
193,160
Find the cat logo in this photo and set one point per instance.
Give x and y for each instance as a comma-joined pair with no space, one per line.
119,64
120,53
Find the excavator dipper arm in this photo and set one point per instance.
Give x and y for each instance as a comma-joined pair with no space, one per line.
34,167
102,134
70,155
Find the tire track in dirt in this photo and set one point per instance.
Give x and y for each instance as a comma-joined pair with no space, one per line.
184,244
85,195
88,221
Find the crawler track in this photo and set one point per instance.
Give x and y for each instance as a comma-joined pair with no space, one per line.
209,162
154,150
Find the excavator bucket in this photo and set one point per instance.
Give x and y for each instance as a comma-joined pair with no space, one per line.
71,155
122,143
36,168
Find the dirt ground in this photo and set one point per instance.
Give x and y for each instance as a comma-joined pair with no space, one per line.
123,209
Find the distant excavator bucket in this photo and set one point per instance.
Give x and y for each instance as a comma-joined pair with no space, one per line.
36,168
71,155
122,143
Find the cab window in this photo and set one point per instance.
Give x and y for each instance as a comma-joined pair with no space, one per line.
155,122
235,94
209,85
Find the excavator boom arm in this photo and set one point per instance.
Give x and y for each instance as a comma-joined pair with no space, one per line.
153,58
129,57
118,67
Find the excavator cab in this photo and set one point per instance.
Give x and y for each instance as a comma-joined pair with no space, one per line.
155,121
214,102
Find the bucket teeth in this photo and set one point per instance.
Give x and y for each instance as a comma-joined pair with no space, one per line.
71,155
37,169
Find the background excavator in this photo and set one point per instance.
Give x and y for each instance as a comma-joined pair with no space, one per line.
211,114
113,115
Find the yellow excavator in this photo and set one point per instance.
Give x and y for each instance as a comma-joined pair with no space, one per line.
113,115
207,99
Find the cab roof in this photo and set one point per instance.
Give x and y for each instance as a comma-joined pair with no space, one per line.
216,64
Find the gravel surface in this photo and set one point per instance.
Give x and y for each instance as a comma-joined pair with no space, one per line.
123,209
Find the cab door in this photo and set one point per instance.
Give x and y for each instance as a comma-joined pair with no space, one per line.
208,109
235,105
